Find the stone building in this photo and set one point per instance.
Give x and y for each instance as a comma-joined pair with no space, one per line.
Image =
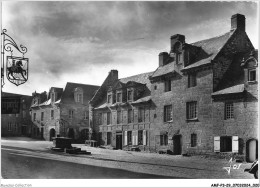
15,115
187,104
63,112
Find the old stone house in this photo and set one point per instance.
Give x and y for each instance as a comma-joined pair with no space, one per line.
64,112
197,101
15,115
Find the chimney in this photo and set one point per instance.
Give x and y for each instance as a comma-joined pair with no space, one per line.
238,21
113,74
163,57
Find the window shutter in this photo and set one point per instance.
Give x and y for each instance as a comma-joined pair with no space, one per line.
217,144
136,137
133,138
144,137
125,138
235,144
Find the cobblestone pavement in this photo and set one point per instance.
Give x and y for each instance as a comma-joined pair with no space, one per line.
149,163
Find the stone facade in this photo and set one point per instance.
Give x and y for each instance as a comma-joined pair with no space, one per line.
185,109
15,115
64,113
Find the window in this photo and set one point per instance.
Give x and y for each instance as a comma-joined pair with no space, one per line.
140,137
168,113
192,80
9,126
34,116
119,97
109,135
193,141
130,95
155,87
129,137
99,119
24,113
118,117
225,144
130,116
52,97
167,85
86,115
141,114
229,111
164,140
52,114
191,108
79,98
109,99
71,113
42,116
108,118
15,127
252,75
178,57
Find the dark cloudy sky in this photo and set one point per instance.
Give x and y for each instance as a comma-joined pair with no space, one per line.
82,41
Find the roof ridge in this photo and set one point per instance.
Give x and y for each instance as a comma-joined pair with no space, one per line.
212,37
136,75
82,84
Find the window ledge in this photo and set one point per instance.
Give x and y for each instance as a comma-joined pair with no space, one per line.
252,82
168,121
192,120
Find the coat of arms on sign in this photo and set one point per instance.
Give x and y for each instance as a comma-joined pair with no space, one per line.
17,70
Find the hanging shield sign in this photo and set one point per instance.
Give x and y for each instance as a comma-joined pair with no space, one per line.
17,70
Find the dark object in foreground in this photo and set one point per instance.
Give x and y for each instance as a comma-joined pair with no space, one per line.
253,169
62,144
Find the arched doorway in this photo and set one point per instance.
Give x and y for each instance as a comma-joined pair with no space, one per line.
71,133
177,144
84,134
252,150
52,134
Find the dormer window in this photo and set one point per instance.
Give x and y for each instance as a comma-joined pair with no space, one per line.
130,95
119,97
78,95
252,75
109,98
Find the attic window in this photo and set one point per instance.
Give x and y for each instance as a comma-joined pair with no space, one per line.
78,95
251,75
130,95
109,98
119,97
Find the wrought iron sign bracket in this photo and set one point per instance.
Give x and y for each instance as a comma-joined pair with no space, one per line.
16,67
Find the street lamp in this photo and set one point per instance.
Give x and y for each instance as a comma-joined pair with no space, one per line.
16,67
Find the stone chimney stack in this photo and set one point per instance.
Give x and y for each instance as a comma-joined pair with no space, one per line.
163,57
238,21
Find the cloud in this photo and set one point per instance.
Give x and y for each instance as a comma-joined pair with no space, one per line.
81,40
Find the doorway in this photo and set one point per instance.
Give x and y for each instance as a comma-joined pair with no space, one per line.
252,150
23,130
71,133
177,144
52,134
119,140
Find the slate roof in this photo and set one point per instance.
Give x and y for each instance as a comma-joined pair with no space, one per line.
6,94
163,70
139,78
231,90
212,47
68,94
141,100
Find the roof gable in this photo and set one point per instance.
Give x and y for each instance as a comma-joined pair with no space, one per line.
68,94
